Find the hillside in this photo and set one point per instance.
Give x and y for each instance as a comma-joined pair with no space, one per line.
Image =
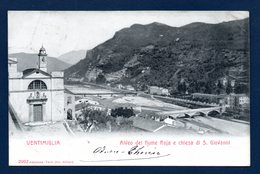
157,54
27,60
73,57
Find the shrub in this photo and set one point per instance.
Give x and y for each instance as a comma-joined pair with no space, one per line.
124,112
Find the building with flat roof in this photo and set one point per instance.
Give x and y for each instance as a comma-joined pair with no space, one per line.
158,90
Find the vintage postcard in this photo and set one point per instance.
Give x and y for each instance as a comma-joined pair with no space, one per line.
129,88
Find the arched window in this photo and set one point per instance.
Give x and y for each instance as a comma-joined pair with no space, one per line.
37,84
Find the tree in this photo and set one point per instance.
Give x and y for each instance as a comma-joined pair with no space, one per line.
241,88
93,120
179,87
91,115
124,112
229,88
182,87
144,87
193,87
173,91
101,79
207,88
219,87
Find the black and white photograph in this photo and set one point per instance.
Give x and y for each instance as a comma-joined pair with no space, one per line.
164,88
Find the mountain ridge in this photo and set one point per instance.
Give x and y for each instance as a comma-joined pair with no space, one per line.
162,55
72,57
29,60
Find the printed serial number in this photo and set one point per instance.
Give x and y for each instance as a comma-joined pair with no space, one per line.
23,161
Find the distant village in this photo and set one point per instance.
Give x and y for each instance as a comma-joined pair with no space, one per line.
237,103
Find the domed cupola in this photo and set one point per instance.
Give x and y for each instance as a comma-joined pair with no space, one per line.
42,52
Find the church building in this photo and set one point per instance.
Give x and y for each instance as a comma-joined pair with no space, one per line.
34,94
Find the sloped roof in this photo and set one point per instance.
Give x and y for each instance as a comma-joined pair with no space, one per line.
147,124
68,91
30,71
11,61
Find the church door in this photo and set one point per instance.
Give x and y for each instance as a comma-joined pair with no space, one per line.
37,112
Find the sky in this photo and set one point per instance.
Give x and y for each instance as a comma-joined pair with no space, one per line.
63,31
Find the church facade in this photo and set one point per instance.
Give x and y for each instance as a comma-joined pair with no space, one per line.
35,94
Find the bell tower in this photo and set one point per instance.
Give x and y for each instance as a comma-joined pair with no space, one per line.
42,62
